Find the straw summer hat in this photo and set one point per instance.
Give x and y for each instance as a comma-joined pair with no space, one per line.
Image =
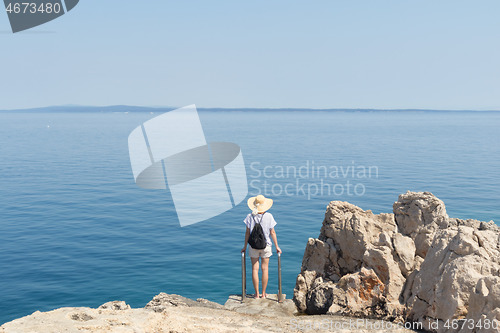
259,204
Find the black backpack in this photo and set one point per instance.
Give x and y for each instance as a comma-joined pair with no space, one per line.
257,239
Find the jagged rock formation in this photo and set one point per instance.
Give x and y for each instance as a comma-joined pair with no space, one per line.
460,261
115,305
414,265
484,302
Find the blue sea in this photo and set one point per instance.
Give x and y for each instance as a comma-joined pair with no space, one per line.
75,230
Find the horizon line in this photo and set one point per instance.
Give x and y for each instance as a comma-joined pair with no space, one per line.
139,108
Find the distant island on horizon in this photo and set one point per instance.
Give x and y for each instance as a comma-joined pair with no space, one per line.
131,108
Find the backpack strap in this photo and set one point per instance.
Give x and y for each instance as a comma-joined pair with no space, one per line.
262,217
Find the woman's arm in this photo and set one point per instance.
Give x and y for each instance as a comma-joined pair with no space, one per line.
275,240
247,235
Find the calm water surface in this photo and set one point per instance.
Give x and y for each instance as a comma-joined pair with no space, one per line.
76,231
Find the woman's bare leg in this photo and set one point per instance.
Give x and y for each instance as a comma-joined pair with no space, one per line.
255,276
265,275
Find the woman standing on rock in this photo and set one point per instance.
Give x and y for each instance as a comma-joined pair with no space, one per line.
259,239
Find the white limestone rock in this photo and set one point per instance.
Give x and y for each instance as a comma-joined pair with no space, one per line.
416,265
458,260
357,266
419,215
115,305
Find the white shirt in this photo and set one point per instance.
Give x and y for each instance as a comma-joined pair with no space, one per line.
266,221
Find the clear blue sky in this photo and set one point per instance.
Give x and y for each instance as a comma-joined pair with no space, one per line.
315,54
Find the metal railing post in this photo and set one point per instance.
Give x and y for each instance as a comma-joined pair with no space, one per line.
243,277
280,294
